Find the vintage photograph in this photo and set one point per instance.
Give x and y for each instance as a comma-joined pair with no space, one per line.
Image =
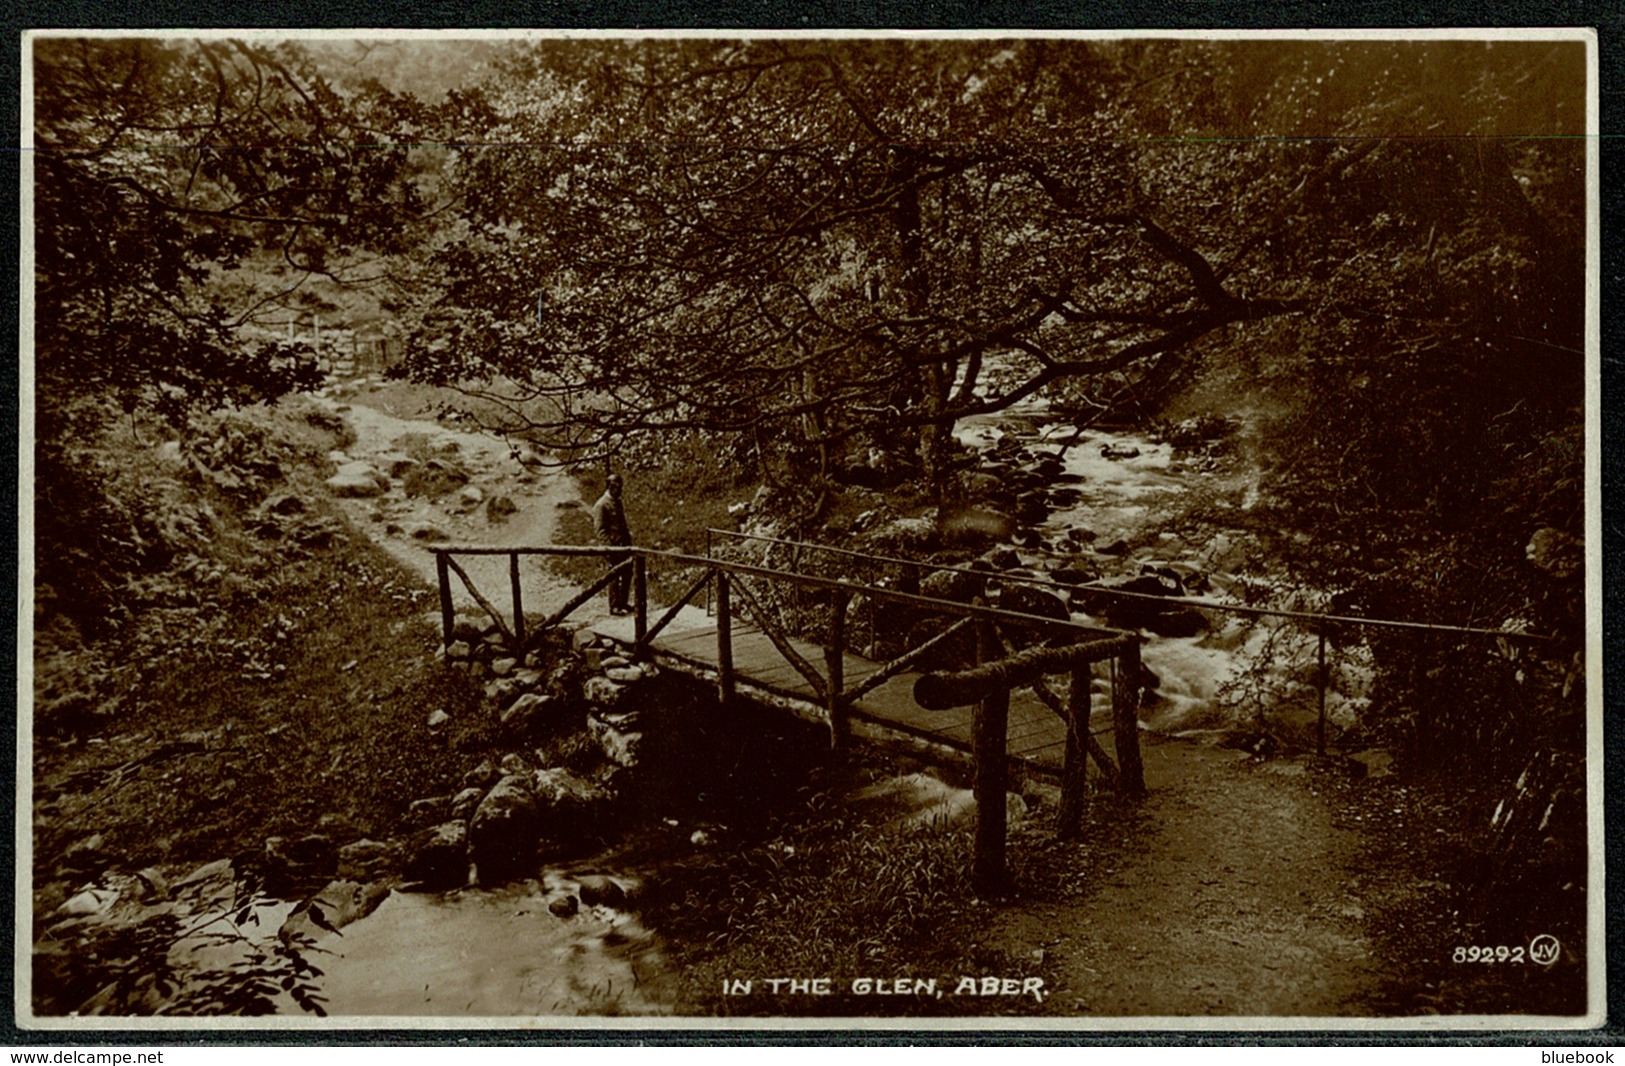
993,530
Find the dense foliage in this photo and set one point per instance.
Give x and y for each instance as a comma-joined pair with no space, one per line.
810,250
159,167
182,190
816,246
804,254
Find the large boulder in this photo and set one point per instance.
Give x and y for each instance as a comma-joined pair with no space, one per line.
1136,611
338,904
905,534
976,527
564,680
1002,559
572,809
956,585
1026,599
356,480
1152,584
466,802
482,776
1178,622
289,864
534,714
605,696
598,890
437,857
1032,508
499,508
1048,466
397,464
366,860
504,832
434,478
1073,575
428,810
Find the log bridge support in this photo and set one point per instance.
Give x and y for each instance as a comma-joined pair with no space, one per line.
989,684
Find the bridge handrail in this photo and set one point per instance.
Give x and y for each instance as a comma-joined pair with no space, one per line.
1183,601
988,685
791,577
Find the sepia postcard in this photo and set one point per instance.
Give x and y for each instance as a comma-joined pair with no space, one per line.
720,530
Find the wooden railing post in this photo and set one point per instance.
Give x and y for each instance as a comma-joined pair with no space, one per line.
989,724
640,603
443,572
725,643
1075,764
518,601
840,726
1126,722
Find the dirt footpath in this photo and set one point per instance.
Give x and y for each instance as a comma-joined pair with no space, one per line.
1235,895
539,494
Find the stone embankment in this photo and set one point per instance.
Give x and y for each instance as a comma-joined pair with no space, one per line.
514,811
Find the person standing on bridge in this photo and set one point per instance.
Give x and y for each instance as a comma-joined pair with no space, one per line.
609,521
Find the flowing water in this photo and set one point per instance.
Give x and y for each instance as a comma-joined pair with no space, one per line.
1243,672
495,953
503,952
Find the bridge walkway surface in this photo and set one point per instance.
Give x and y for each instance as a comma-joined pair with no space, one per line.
1036,735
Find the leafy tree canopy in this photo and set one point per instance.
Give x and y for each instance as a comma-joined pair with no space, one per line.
801,247
162,166
808,240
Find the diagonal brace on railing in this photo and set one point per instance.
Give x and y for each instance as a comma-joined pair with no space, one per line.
496,615
793,657
902,662
1048,697
583,596
671,612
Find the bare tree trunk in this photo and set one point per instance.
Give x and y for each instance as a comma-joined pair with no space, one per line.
934,435
936,379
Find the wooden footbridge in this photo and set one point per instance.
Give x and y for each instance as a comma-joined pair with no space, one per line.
868,653
796,640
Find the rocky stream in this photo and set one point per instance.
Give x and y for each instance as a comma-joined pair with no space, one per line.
567,939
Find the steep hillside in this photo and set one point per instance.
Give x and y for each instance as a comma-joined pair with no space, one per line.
228,660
